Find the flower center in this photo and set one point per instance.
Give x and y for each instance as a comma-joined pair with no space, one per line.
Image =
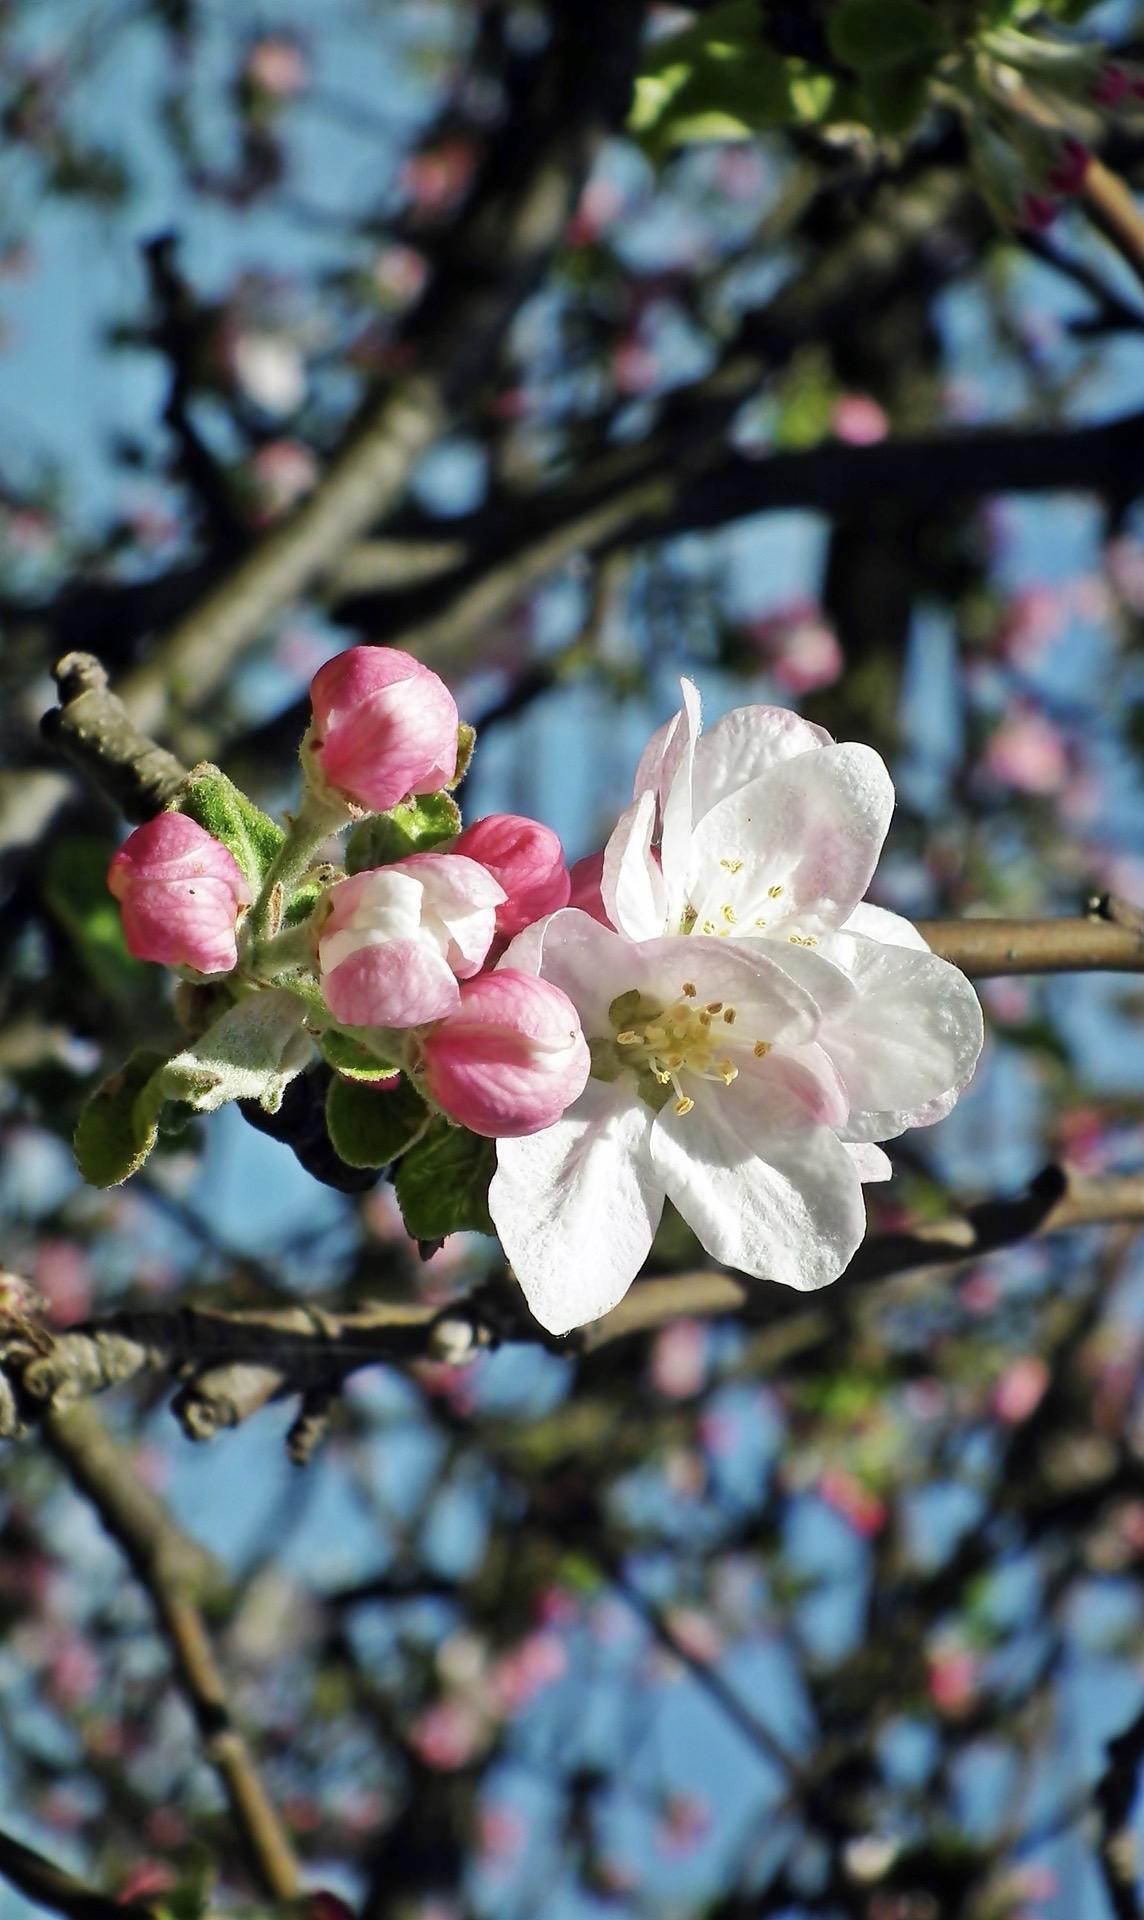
664,1044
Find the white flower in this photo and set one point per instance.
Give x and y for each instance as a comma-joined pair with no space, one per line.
743,1070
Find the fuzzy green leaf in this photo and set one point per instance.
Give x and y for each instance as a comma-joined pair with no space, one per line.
119,1124
355,1062
251,1053
442,1183
372,1126
226,812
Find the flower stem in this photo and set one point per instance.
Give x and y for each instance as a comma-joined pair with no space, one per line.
314,821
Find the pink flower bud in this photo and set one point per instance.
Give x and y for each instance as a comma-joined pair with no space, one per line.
527,859
510,1059
584,887
181,893
397,939
384,727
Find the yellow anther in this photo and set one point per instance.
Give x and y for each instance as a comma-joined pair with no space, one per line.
689,989
761,1049
802,940
687,920
727,1072
760,923
714,1006
663,1078
729,1016
628,1038
683,1105
732,866
675,1061
773,892
728,912
708,926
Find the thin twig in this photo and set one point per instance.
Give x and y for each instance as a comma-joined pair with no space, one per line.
137,1521
987,947
46,1885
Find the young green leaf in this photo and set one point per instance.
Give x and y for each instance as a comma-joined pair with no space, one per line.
355,1062
870,35
251,1053
119,1124
225,811
416,826
443,1183
372,1126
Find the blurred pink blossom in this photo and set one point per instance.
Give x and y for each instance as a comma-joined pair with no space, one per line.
856,1503
678,1362
437,179
800,645
696,1635
1008,999
599,204
448,1735
859,420
63,1277
277,66
1033,619
526,1670
1124,558
399,274
1020,1389
284,471
954,1678
1026,752
502,1833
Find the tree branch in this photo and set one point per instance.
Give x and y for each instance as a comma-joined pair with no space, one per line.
231,1363
1095,944
47,1885
501,247
158,1555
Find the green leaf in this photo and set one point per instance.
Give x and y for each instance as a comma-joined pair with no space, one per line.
896,98
353,1060
119,1124
416,826
442,1183
372,1126
224,810
251,1053
871,35
75,891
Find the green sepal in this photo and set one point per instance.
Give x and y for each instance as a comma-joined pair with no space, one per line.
119,1124
442,1183
416,826
370,1126
466,747
251,1053
226,812
872,35
355,1062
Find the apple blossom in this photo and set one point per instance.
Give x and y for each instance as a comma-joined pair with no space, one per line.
528,860
510,1059
181,893
584,886
754,1027
395,940
384,727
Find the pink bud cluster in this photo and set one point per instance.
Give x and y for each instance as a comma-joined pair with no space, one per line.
406,950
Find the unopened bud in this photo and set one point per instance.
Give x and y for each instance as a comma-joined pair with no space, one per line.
384,727
181,894
528,860
510,1059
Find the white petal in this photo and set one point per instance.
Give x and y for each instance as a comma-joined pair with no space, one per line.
675,805
909,1042
591,963
577,1205
632,885
812,828
777,1203
744,744
878,923
868,1161
770,1002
